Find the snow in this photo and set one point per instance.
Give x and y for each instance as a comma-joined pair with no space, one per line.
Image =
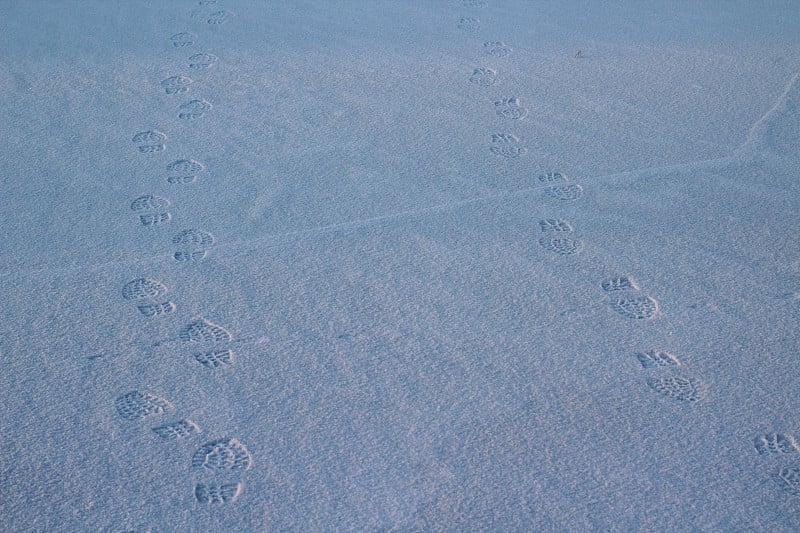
324,277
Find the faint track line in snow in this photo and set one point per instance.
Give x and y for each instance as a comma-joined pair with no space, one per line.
759,131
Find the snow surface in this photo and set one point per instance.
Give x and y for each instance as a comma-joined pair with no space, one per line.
381,290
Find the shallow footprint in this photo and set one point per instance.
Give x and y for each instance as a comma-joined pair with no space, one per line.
193,109
184,171
151,141
497,48
569,192
143,288
510,108
677,388
154,310
219,17
469,24
205,332
776,443
136,405
656,359
217,494
182,39
506,145
483,76
788,478
636,307
620,283
176,84
215,358
222,454
202,61
177,430
561,245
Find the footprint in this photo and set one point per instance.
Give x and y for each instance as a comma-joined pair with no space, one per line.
497,48
776,443
656,359
193,237
217,494
154,219
202,61
214,359
176,84
636,307
469,24
505,146
193,109
183,171
483,76
177,430
561,245
153,310
143,288
136,405
222,454
149,202
620,283
182,39
510,108
555,225
568,192
552,177
151,141
788,478
220,17
204,331
196,240
677,388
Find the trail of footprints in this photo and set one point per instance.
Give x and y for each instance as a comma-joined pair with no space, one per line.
218,459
